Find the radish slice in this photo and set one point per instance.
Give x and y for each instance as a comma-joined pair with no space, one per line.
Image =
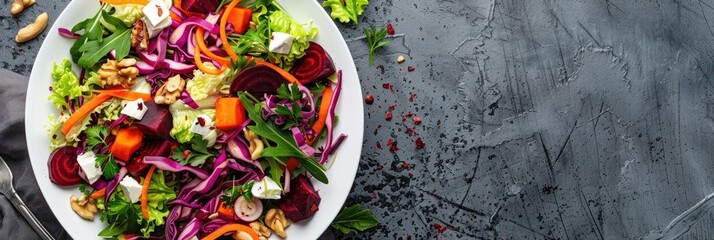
64,169
248,211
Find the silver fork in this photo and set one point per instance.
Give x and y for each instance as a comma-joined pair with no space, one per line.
9,192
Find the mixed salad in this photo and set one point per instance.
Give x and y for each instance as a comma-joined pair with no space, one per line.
193,119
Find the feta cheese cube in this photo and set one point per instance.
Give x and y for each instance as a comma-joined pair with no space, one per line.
211,138
202,125
135,109
156,17
266,189
131,188
87,161
280,42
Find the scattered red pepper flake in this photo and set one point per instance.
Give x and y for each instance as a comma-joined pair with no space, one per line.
369,99
405,164
201,121
186,153
410,174
437,226
390,142
386,85
140,105
420,143
392,107
379,167
411,97
416,120
393,148
379,145
51,88
374,195
442,229
390,29
388,116
410,68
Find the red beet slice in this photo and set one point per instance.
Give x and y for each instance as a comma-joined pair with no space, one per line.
257,80
200,6
63,167
302,201
157,122
315,65
160,147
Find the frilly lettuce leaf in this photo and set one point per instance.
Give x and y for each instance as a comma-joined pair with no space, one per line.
347,11
110,110
54,131
204,85
66,85
128,13
159,195
183,119
282,22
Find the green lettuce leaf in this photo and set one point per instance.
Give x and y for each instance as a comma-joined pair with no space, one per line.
346,11
65,85
128,13
280,21
54,131
159,195
183,119
205,85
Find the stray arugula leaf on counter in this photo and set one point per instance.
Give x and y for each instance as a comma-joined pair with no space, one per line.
375,40
346,10
354,219
285,146
197,152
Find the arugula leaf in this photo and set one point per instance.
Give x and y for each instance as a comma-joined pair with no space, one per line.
375,40
231,194
354,219
198,148
275,172
113,22
285,144
94,50
346,10
92,31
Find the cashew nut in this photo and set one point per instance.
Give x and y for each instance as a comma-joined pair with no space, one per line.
242,236
262,230
19,5
275,219
33,30
256,145
84,207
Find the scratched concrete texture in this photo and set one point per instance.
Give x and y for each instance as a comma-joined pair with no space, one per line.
542,119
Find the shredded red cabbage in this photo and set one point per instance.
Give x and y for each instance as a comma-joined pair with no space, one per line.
170,165
67,33
112,185
330,121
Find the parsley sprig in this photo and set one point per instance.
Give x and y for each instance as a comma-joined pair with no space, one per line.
97,137
197,150
375,39
231,194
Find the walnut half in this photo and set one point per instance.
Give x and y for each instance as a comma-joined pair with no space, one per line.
84,207
275,219
123,73
170,91
140,35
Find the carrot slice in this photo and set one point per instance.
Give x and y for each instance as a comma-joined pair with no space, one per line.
145,193
204,49
84,111
222,27
127,142
203,68
231,228
282,72
122,2
98,193
322,115
126,94
230,113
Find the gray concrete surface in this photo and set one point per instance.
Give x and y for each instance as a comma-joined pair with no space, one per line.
541,119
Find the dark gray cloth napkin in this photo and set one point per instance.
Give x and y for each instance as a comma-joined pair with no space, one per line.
13,148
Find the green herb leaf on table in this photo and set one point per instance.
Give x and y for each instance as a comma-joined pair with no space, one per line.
375,40
285,145
354,219
346,10
198,152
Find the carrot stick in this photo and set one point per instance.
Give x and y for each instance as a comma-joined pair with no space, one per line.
98,194
231,228
199,63
282,72
84,111
224,36
126,94
204,49
322,115
145,193
175,17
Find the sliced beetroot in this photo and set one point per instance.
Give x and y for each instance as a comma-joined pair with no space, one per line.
200,6
63,167
156,147
315,65
257,80
157,121
302,201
